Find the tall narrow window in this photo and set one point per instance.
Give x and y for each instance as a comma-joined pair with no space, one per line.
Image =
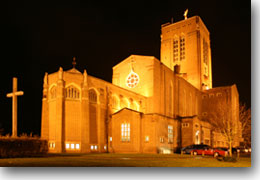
93,116
125,132
197,138
182,48
205,57
72,92
53,92
115,103
92,96
170,134
175,50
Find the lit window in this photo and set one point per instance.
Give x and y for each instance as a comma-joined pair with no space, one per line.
125,132
95,147
146,138
132,79
175,50
110,139
170,134
67,146
205,57
77,146
92,96
72,146
161,139
91,147
105,147
50,145
72,92
182,48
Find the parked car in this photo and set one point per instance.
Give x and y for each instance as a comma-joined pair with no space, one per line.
188,149
243,149
203,149
220,152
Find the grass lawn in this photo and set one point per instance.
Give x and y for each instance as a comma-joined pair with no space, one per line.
124,160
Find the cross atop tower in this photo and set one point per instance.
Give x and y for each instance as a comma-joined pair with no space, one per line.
132,63
14,95
74,62
185,14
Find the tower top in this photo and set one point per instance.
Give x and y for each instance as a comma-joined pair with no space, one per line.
74,62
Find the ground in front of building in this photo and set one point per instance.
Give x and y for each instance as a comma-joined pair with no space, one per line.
123,160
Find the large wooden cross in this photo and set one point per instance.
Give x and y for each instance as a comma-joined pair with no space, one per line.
14,95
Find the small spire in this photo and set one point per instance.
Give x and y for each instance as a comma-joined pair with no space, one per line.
85,76
74,62
60,73
171,20
45,80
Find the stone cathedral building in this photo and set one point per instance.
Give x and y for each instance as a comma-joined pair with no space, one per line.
150,104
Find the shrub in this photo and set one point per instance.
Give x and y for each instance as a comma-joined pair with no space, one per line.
230,159
227,159
22,147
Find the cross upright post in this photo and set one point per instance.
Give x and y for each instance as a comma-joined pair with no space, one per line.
14,95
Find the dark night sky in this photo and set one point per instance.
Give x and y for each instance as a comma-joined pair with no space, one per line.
41,36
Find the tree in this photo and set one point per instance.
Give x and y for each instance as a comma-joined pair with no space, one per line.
245,119
222,121
1,130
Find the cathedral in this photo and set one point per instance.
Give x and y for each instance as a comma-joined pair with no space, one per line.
150,105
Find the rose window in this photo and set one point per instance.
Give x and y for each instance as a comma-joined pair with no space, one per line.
132,80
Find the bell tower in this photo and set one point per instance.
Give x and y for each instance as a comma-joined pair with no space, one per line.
185,49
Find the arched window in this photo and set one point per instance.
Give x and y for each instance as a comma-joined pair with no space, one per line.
92,96
135,106
115,102
124,103
53,92
93,116
72,92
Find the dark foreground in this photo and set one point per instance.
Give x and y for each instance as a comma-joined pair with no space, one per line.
123,160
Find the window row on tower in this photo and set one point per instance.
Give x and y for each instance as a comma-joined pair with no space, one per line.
179,49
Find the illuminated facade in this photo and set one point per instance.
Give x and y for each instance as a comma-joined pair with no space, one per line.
149,105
